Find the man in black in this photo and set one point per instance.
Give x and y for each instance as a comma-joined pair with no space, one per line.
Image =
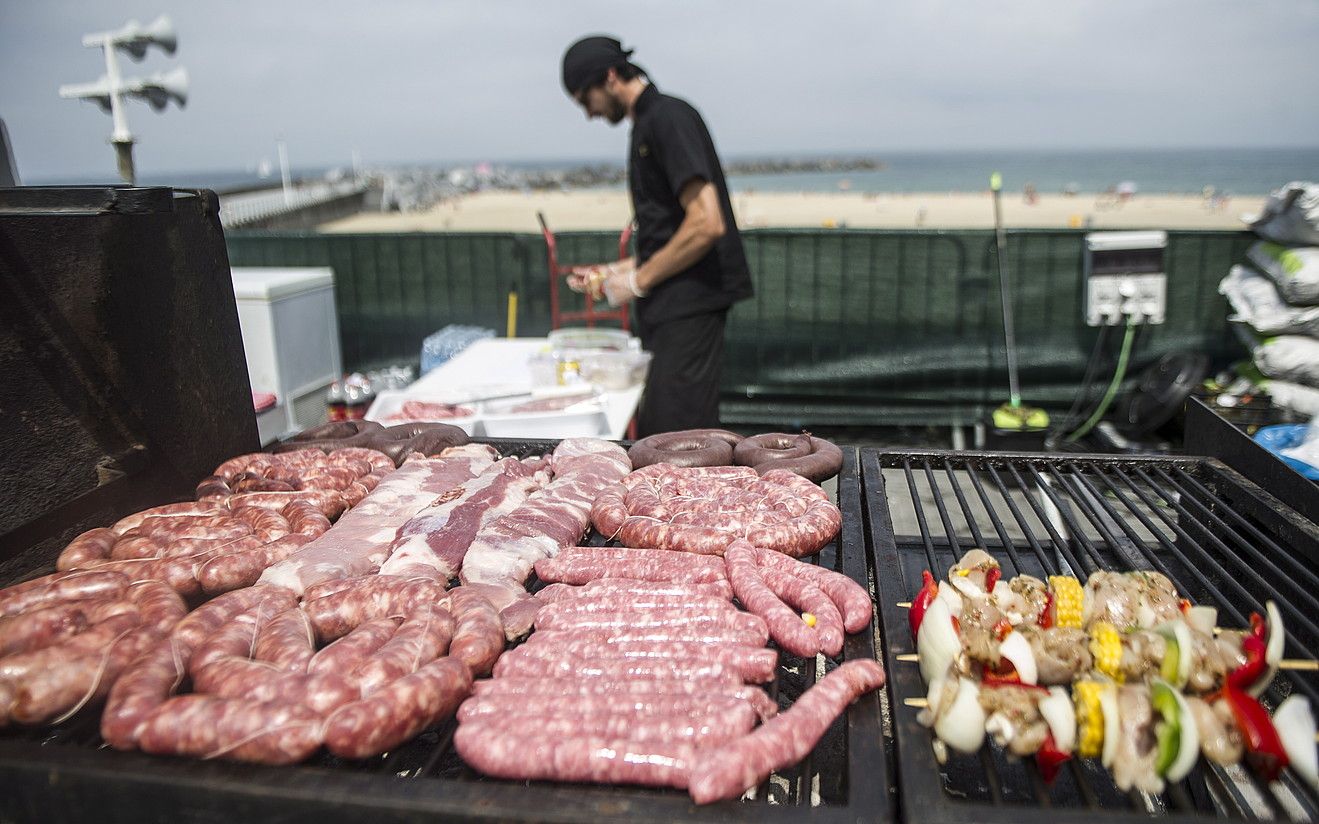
690,266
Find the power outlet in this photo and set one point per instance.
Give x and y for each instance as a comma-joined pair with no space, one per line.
1111,299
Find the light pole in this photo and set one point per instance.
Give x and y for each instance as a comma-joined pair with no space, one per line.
110,90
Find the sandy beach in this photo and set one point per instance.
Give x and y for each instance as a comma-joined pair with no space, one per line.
609,209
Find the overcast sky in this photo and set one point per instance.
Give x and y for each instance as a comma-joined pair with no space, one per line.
433,81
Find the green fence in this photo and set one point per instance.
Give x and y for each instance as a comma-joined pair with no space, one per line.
856,327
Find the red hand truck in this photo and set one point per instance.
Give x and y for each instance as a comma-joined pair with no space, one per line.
558,272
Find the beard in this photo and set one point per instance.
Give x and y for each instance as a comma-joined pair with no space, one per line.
615,111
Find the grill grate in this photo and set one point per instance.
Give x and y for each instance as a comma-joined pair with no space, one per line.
1221,540
846,777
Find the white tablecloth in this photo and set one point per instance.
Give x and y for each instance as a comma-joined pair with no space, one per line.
498,366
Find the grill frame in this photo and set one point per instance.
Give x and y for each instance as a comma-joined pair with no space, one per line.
64,773
923,791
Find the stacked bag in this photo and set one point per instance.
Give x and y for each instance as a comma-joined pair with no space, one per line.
1279,300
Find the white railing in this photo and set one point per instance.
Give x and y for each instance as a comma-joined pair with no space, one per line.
251,207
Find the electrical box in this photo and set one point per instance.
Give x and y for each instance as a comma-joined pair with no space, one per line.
1125,278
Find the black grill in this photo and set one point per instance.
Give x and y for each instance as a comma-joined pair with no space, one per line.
1222,540
65,773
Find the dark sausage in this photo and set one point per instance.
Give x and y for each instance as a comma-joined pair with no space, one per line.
692,447
813,458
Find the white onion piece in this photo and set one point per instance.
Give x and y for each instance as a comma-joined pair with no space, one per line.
937,644
999,728
1202,619
967,587
1060,714
934,695
951,598
1009,603
1181,634
1016,649
962,725
1273,652
1108,703
1188,748
1295,724
1145,616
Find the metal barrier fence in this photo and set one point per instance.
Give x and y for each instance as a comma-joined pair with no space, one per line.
848,327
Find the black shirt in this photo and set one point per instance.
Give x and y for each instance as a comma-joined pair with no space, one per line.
671,146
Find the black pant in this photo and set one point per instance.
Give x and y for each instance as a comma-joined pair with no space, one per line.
682,387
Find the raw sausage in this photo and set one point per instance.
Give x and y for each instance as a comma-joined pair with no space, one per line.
399,710
522,757
850,597
786,627
422,637
208,727
92,545
728,771
806,598
478,636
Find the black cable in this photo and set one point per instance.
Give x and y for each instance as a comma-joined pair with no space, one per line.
1087,386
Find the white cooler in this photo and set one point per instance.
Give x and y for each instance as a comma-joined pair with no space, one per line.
291,339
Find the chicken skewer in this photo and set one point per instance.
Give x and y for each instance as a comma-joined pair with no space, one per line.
1029,631
1145,734
986,647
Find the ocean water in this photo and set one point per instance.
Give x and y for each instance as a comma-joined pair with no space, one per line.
1167,171
1234,171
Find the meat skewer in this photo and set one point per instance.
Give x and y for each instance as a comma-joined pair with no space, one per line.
1146,734
1032,632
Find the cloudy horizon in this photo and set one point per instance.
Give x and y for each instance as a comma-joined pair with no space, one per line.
415,82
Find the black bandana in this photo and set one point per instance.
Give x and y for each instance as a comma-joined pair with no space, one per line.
588,59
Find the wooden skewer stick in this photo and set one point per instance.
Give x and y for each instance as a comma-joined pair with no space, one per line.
1295,664
905,604
921,703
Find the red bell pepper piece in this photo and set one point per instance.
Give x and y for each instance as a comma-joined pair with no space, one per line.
1264,748
1254,645
929,591
1045,621
991,578
1004,675
1049,758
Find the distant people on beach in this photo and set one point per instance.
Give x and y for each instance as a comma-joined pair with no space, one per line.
1029,195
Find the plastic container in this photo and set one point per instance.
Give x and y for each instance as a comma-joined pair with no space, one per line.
583,419
613,340
615,370
388,407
